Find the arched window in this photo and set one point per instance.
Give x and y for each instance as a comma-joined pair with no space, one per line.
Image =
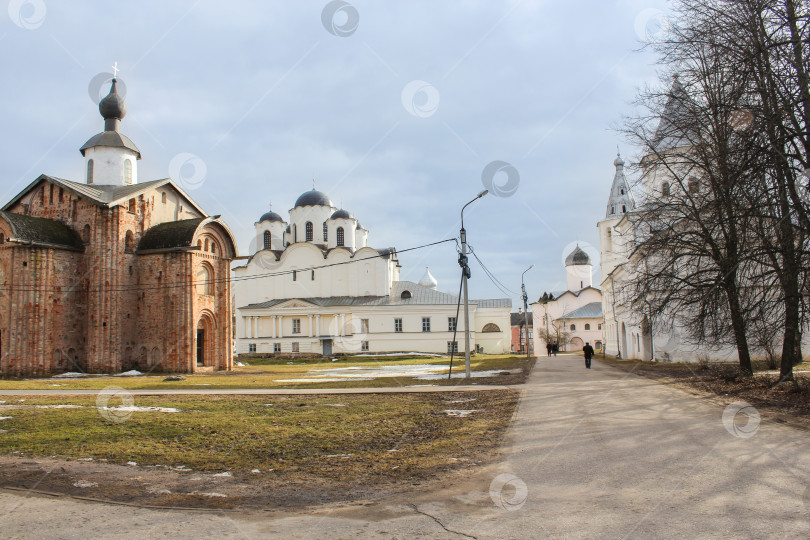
127,171
491,327
132,205
624,209
587,327
340,240
573,327
665,189
89,171
693,185
129,242
622,191
205,279
405,295
163,197
308,228
325,232
206,244
86,234
267,239
295,233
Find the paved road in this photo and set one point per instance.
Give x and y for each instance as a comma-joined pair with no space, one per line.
594,453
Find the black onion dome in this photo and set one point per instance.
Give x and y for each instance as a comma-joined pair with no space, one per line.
113,106
341,214
313,198
577,257
270,216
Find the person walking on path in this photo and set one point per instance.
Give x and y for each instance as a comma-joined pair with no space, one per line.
549,346
555,348
588,351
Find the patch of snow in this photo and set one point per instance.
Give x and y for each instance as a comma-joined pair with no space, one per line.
320,379
130,373
158,491
140,409
85,459
6,417
465,400
459,413
474,374
132,464
226,474
404,354
69,375
58,385
240,364
84,484
255,471
339,455
334,404
59,406
208,494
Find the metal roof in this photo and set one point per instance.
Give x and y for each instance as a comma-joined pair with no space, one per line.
313,198
516,319
113,139
171,234
419,296
41,232
588,311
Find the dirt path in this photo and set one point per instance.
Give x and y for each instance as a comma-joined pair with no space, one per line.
591,453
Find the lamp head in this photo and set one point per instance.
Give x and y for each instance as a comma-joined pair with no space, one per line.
482,193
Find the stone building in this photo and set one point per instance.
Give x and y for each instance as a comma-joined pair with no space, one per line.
315,286
112,274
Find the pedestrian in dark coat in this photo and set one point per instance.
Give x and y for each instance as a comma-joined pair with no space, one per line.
555,348
587,350
549,346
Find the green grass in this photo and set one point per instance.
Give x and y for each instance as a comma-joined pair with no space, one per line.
265,374
287,434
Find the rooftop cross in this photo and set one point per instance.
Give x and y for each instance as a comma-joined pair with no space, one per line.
115,70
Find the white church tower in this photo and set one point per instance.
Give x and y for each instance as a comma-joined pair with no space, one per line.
620,202
110,156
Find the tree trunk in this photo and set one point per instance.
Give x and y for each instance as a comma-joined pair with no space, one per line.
738,324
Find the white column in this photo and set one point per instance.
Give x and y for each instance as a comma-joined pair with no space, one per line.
245,328
281,326
272,326
311,330
337,324
317,326
342,324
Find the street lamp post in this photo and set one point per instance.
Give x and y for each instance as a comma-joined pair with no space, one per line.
465,275
525,309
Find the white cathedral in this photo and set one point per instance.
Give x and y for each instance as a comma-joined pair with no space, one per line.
313,285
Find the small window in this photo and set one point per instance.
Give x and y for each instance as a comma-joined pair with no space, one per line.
600,326
267,239
127,171
295,233
296,326
251,347
573,327
622,191
51,194
612,210
693,185
624,209
295,347
325,232
665,189
364,326
452,346
205,280
312,276
89,171
491,327
295,275
340,239
425,324
308,229
131,205
397,325
163,197
587,327
364,346
61,194
86,234
451,324
206,244
276,347
405,295
129,242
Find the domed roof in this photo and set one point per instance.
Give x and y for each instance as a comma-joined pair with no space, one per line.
270,216
577,257
428,280
618,162
341,214
113,106
313,198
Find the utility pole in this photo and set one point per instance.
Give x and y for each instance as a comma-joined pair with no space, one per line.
465,275
525,310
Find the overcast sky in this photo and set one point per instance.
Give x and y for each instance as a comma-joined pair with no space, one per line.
395,108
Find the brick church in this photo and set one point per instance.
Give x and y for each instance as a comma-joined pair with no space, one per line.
112,274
